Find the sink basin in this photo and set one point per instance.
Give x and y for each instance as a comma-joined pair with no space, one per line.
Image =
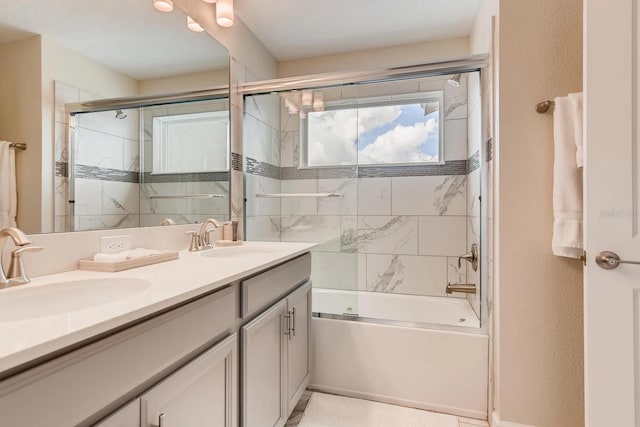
64,297
236,251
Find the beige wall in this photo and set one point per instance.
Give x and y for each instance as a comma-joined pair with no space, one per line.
62,64
373,59
242,44
539,342
184,83
21,121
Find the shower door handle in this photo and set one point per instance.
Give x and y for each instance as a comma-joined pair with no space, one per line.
610,260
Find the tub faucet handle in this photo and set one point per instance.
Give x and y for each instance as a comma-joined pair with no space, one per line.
471,256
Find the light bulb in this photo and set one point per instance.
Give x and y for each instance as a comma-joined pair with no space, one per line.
307,98
318,101
163,5
224,13
193,25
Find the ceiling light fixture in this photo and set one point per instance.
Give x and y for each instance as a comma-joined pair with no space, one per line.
210,1
455,80
193,25
224,13
163,5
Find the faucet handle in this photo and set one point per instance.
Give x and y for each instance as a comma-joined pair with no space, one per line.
196,242
17,274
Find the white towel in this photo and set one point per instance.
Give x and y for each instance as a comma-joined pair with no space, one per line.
576,111
8,194
567,179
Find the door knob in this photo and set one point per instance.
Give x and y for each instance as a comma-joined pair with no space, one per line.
610,260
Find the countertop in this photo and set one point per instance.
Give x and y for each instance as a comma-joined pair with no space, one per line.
170,283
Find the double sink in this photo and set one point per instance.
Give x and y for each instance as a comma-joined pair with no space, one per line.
29,302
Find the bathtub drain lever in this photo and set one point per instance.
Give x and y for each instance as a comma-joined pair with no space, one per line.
471,256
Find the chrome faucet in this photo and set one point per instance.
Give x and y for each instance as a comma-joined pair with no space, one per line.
201,240
205,238
16,274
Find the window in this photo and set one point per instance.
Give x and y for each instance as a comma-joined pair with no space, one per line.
397,129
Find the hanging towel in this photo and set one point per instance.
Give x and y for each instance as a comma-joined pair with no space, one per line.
576,111
567,177
8,194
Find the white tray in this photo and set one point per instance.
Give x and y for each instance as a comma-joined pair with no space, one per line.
111,267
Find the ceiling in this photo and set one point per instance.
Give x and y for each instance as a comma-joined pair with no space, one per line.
128,35
294,29
132,37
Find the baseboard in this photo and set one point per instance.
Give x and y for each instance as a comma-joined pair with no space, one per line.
496,422
402,402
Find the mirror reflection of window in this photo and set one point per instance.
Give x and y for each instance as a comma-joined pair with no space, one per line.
191,143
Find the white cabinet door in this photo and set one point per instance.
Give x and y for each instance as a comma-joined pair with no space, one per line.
127,416
298,345
263,367
200,394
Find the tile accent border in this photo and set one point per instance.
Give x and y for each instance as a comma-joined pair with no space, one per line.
454,167
256,167
106,174
148,178
474,162
490,149
236,162
62,169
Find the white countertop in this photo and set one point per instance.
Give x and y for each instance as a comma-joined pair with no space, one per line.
172,282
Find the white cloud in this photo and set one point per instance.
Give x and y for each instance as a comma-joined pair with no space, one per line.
333,137
400,145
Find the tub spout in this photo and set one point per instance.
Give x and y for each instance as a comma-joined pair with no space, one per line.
465,288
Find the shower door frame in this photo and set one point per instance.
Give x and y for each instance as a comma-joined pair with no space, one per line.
469,64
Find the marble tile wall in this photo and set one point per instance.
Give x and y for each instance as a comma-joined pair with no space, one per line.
107,155
394,229
261,150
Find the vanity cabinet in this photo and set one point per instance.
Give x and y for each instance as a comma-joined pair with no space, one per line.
202,393
276,360
127,416
181,366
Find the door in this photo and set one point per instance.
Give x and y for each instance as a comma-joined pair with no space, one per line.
612,223
200,394
298,345
263,368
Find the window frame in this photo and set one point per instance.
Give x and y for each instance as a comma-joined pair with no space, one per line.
375,101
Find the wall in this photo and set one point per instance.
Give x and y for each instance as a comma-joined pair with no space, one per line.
184,83
539,369
374,59
21,121
376,236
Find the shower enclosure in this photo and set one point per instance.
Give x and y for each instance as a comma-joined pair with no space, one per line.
385,178
134,162
384,173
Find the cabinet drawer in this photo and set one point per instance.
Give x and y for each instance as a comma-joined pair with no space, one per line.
87,381
261,290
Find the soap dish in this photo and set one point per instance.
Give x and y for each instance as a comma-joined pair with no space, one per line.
112,267
224,243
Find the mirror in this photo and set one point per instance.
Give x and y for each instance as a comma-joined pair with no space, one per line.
70,51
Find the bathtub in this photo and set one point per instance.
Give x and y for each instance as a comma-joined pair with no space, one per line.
404,350
398,308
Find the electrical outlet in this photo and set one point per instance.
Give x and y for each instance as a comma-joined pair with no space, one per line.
115,244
